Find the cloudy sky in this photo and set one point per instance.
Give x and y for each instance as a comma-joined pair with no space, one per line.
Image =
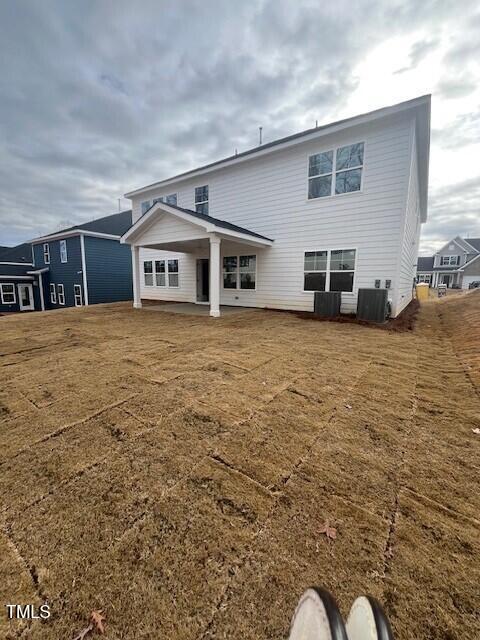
99,97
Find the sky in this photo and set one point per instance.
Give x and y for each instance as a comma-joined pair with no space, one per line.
100,97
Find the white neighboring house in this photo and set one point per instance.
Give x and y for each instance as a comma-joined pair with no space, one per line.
337,207
457,264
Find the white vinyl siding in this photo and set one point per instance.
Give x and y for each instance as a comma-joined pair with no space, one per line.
274,203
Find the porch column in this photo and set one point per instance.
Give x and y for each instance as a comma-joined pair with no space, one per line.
214,277
137,302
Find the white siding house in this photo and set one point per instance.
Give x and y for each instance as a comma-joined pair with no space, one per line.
278,224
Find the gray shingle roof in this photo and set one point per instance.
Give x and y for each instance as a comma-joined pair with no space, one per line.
474,242
425,263
116,225
20,253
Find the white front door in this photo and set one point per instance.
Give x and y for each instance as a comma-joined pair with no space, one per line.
25,297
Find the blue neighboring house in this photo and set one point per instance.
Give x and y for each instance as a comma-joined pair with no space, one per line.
19,289
81,265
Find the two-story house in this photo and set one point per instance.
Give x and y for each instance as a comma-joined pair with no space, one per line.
84,264
457,264
335,208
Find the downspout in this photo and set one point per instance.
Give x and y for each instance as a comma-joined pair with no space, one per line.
40,283
84,270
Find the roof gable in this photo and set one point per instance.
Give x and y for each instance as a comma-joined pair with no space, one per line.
473,242
115,225
21,253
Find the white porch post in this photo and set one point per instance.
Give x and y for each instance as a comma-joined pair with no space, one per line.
215,276
137,302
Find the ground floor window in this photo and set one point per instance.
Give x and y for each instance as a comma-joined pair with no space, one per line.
53,294
173,273
424,277
239,272
77,293
8,293
329,270
160,280
61,294
148,273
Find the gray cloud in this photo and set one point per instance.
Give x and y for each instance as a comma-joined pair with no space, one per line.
98,98
463,131
418,52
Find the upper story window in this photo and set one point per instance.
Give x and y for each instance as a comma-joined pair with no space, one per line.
63,251
46,253
449,261
336,171
170,199
201,199
329,270
145,206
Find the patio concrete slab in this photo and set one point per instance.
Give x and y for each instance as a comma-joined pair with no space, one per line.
192,309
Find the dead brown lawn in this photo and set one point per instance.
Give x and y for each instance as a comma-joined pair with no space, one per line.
176,471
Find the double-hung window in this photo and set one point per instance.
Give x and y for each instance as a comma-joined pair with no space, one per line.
46,253
145,206
173,273
335,171
239,272
53,293
170,199
77,295
8,293
61,294
449,261
160,279
148,273
329,270
201,199
63,251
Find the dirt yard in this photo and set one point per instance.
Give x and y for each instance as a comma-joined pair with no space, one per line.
176,472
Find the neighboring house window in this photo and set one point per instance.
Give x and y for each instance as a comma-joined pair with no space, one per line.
170,199
336,171
61,294
173,273
239,272
63,251
46,253
8,293
425,277
160,273
446,261
145,206
332,270
201,199
148,273
53,294
77,295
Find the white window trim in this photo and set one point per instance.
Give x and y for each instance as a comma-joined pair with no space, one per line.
237,256
61,294
177,273
450,263
53,293
77,294
160,286
201,186
63,254
149,274
334,171
13,292
328,271
46,253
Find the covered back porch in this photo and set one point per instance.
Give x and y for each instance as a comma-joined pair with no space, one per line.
202,240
